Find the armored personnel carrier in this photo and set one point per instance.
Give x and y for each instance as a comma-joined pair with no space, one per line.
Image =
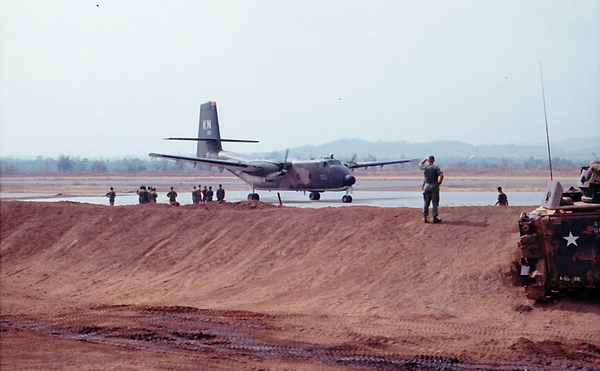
560,240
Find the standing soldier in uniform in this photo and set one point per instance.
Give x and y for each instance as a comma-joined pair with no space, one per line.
209,194
502,198
433,178
152,195
204,193
111,196
220,194
142,195
172,197
199,193
195,198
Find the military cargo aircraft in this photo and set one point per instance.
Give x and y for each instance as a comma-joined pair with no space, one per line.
313,176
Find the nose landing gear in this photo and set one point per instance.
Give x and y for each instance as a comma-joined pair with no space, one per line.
314,196
347,198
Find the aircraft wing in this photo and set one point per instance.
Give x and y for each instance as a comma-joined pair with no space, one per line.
208,161
355,165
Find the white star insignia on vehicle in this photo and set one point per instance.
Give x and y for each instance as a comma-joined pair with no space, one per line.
571,239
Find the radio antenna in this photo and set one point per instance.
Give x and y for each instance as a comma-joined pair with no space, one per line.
546,118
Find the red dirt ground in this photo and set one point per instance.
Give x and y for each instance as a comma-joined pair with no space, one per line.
250,286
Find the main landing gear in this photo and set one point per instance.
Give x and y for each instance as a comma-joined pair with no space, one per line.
314,196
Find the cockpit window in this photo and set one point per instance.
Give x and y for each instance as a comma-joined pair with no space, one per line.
330,163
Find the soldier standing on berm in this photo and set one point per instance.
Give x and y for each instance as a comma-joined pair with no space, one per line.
220,194
433,178
502,198
195,196
172,197
111,196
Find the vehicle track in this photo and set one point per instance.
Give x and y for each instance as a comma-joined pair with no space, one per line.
249,334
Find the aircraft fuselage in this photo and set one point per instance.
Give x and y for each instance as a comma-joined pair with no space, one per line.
298,175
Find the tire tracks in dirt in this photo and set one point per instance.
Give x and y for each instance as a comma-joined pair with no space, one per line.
249,334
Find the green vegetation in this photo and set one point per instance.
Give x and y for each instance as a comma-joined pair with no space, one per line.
69,164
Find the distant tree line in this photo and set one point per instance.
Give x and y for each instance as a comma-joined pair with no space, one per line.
76,165
70,164
530,163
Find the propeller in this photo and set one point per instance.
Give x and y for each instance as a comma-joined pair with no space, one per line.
352,162
281,170
285,164
287,152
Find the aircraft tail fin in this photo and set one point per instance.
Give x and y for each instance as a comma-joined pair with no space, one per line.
209,136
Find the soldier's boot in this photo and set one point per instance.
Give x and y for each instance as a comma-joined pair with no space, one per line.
425,219
436,219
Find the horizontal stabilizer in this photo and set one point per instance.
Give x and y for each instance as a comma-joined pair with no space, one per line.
215,139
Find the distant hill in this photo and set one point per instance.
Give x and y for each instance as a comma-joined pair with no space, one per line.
577,150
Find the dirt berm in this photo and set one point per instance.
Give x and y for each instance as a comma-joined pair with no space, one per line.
252,286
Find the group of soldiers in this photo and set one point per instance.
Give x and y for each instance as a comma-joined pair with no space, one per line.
149,195
200,196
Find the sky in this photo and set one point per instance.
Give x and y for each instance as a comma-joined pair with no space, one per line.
104,79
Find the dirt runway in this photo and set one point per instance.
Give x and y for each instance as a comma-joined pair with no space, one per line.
250,286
